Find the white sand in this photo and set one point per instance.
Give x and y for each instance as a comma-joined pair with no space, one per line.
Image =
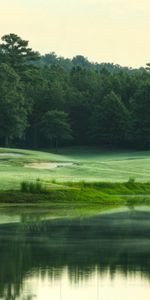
51,165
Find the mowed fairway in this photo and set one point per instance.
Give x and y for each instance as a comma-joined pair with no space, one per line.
83,164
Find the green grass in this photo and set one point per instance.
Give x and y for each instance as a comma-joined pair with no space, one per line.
83,195
90,165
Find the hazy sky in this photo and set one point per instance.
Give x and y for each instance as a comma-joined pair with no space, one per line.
103,30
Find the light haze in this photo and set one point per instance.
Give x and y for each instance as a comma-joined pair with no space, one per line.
102,30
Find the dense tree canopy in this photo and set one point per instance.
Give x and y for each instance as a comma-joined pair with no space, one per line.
13,108
16,52
49,99
110,121
55,127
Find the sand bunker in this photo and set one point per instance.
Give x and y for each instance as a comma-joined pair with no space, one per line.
49,166
11,154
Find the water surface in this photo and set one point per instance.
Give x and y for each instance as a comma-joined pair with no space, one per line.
101,257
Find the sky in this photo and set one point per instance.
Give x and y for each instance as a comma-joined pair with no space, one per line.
115,31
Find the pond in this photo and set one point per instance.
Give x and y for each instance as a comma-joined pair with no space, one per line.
103,257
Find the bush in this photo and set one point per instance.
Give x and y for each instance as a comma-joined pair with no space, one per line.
24,186
131,180
54,181
130,183
33,187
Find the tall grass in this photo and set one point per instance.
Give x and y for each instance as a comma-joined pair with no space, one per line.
33,187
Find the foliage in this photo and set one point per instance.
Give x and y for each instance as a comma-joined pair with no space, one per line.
55,126
16,52
33,187
13,108
53,100
110,121
103,193
131,180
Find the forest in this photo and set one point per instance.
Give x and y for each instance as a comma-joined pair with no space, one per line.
49,101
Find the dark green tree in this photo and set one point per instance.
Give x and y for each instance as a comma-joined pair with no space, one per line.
13,107
15,51
55,127
110,121
141,115
81,61
82,90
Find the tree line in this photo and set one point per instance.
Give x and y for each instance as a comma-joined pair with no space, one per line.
47,101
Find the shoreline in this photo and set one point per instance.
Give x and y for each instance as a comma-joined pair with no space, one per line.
82,193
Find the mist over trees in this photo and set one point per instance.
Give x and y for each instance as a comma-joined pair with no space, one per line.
46,101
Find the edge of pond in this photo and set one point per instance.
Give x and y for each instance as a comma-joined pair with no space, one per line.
82,194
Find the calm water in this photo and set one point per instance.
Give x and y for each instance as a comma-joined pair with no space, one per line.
96,258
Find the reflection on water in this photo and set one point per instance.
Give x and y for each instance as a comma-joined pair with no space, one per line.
102,257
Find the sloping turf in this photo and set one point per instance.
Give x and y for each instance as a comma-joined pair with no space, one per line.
88,165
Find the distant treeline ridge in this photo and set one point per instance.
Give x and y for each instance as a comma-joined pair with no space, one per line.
47,101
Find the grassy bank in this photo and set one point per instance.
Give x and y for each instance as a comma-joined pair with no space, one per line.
83,193
76,176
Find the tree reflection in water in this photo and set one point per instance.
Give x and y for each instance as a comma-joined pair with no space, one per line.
117,242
